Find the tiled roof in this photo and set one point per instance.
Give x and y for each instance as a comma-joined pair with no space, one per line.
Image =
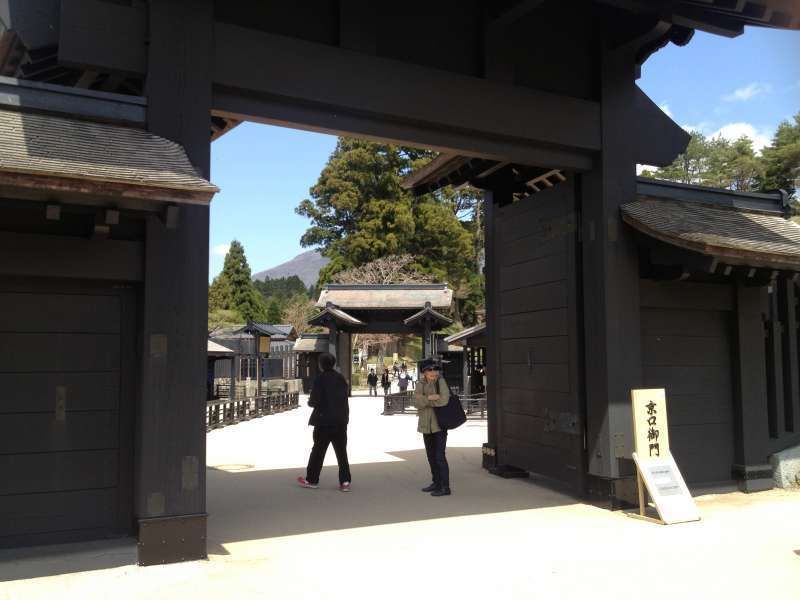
428,311
311,344
463,336
336,314
736,235
390,296
127,161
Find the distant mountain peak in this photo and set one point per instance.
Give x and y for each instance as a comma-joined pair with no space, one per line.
305,265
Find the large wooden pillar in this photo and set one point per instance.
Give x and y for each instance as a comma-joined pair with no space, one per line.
610,275
751,426
171,491
344,355
492,199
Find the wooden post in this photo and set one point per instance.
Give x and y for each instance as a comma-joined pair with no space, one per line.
610,275
171,499
751,427
333,341
426,340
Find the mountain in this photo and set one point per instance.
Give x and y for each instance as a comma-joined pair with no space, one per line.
306,266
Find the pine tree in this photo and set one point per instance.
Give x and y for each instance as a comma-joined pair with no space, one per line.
233,288
360,213
782,159
274,312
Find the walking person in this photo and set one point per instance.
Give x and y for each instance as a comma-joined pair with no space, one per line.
386,383
372,382
331,414
432,391
404,380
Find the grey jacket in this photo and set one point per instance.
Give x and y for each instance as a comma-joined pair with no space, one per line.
427,422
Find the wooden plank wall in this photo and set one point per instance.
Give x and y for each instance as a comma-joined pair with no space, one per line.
783,364
687,348
66,451
539,379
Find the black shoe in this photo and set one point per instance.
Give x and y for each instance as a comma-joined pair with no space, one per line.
445,491
430,488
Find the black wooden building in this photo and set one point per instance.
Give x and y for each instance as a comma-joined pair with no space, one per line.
108,110
713,292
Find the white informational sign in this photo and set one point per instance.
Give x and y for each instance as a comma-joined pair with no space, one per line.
666,487
654,462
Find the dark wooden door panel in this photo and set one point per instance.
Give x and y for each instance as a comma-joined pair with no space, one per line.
537,403
58,471
686,348
43,432
538,297
542,323
540,351
26,514
39,392
541,377
540,421
37,352
533,272
67,410
65,313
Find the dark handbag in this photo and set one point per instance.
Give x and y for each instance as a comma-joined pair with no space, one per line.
452,414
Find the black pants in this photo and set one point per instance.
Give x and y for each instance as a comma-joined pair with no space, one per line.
373,390
322,437
435,446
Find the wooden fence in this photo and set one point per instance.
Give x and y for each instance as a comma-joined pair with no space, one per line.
403,403
226,411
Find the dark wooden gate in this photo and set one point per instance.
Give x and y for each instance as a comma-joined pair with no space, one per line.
540,416
67,363
687,330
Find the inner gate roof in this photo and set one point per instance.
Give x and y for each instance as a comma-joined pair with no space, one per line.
386,296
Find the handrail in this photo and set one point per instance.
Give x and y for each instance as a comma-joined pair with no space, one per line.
226,411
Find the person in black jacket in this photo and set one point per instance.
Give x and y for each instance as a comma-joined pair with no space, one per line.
330,401
372,382
386,382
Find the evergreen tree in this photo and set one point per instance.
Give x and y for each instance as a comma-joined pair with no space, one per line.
274,312
233,288
782,159
734,165
360,213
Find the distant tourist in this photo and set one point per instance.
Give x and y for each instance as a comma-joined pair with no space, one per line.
433,391
404,380
372,382
386,383
396,369
330,401
477,379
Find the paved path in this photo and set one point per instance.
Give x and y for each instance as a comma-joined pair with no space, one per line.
492,539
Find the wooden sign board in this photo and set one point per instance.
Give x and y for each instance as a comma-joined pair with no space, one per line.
263,344
656,469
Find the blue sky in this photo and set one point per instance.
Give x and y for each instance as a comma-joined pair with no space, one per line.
746,85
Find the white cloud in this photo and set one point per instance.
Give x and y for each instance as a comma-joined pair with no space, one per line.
749,91
733,131
220,249
665,107
640,168
703,127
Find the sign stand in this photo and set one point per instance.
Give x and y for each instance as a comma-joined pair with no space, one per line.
657,474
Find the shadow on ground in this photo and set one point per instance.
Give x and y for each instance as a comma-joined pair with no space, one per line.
60,559
250,505
246,504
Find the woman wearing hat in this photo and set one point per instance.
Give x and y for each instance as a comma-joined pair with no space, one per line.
431,391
